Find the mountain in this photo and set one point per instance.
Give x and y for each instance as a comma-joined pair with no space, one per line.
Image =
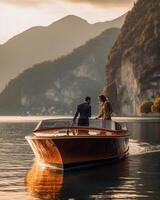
47,43
55,87
133,69
118,22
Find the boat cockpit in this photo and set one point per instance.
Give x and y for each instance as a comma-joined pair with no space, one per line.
65,127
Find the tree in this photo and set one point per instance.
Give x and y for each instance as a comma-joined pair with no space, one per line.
145,107
155,108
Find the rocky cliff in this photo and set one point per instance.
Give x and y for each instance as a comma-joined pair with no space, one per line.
56,87
133,68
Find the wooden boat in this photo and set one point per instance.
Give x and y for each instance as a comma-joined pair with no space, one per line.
61,145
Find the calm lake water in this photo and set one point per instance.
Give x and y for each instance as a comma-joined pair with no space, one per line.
137,177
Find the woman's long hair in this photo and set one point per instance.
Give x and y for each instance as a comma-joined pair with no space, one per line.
102,98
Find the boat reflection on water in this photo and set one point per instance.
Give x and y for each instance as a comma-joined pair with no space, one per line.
44,183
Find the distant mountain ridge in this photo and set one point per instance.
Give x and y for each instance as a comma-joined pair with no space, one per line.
57,87
133,69
47,43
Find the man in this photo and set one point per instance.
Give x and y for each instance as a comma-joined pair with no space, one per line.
84,112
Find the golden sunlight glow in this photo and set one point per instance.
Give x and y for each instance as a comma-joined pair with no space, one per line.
16,16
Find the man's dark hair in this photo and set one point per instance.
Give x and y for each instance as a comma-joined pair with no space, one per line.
87,98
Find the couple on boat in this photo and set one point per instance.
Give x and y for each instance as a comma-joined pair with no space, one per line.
84,111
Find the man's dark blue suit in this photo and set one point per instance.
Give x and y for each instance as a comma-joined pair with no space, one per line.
84,112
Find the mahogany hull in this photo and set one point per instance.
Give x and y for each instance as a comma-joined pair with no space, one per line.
64,152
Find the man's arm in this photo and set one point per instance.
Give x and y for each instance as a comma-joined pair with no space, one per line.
89,111
76,115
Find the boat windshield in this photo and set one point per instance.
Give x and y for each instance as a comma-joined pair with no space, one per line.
58,123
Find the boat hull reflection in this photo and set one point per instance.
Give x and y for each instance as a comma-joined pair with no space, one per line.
43,183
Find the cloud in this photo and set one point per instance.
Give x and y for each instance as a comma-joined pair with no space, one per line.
26,2
101,3
106,3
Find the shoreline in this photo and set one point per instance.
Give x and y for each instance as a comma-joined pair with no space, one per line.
34,119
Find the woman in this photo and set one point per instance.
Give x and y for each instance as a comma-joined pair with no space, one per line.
105,111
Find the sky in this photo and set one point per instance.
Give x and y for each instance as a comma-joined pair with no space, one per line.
17,16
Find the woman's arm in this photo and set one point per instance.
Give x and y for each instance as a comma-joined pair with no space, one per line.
100,113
